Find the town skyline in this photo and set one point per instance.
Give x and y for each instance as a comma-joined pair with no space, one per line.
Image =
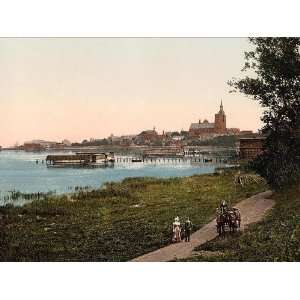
75,89
201,131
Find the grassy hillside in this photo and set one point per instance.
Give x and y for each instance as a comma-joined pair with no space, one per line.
116,223
276,238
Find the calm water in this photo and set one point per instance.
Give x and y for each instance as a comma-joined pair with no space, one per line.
19,171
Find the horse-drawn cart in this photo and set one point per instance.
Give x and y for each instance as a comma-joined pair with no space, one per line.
228,219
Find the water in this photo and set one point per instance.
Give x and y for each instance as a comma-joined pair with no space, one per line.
19,171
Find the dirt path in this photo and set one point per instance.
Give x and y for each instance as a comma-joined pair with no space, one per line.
252,210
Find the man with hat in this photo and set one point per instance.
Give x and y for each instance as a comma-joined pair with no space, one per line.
188,228
223,207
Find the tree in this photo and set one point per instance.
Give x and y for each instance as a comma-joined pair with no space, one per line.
276,85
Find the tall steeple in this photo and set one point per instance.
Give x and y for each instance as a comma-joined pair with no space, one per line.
220,120
221,107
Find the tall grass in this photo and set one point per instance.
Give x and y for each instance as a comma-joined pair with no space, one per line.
115,223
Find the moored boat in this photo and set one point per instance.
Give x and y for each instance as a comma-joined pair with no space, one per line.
136,160
80,159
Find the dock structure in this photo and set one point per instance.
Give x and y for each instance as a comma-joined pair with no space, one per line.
251,147
174,159
155,155
80,159
164,152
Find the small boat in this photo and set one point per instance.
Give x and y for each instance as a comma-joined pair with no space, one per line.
110,157
208,160
136,160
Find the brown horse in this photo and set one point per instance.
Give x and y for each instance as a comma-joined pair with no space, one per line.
232,221
221,220
238,216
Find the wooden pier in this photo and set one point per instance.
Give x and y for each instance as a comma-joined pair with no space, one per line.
92,159
173,160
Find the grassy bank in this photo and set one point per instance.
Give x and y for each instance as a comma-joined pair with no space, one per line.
276,238
116,223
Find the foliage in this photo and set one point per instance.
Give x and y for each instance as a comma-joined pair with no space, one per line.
99,142
276,85
116,223
243,179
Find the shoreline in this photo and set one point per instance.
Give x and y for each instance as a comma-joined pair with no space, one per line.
19,198
117,223
26,177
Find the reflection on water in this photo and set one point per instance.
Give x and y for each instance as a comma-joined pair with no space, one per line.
20,172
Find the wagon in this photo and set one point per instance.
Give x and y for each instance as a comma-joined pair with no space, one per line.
228,220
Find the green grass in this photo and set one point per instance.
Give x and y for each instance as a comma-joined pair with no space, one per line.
116,223
275,238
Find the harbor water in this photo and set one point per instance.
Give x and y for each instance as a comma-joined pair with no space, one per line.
27,173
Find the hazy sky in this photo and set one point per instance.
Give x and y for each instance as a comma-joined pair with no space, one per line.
56,88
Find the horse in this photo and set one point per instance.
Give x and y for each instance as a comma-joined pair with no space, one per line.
238,216
232,221
221,220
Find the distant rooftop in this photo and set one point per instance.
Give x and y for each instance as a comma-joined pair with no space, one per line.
148,132
202,125
39,142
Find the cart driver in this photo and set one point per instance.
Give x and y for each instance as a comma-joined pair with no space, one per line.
223,206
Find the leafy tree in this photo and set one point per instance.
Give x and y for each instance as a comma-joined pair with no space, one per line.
175,133
275,83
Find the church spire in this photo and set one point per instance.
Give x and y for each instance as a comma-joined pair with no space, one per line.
221,106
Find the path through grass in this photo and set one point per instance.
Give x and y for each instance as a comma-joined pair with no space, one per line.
276,238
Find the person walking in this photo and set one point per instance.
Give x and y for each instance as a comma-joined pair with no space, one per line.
188,228
176,230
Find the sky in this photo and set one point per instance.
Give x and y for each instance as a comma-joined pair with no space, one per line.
81,88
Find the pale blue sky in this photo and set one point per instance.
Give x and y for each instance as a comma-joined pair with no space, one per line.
56,88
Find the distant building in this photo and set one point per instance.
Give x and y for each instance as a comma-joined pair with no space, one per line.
127,140
42,143
116,140
33,147
185,133
233,131
178,137
168,133
173,135
147,137
206,128
66,142
250,147
246,132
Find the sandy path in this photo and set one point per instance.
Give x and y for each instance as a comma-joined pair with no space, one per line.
252,210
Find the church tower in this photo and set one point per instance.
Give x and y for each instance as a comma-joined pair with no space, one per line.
220,120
